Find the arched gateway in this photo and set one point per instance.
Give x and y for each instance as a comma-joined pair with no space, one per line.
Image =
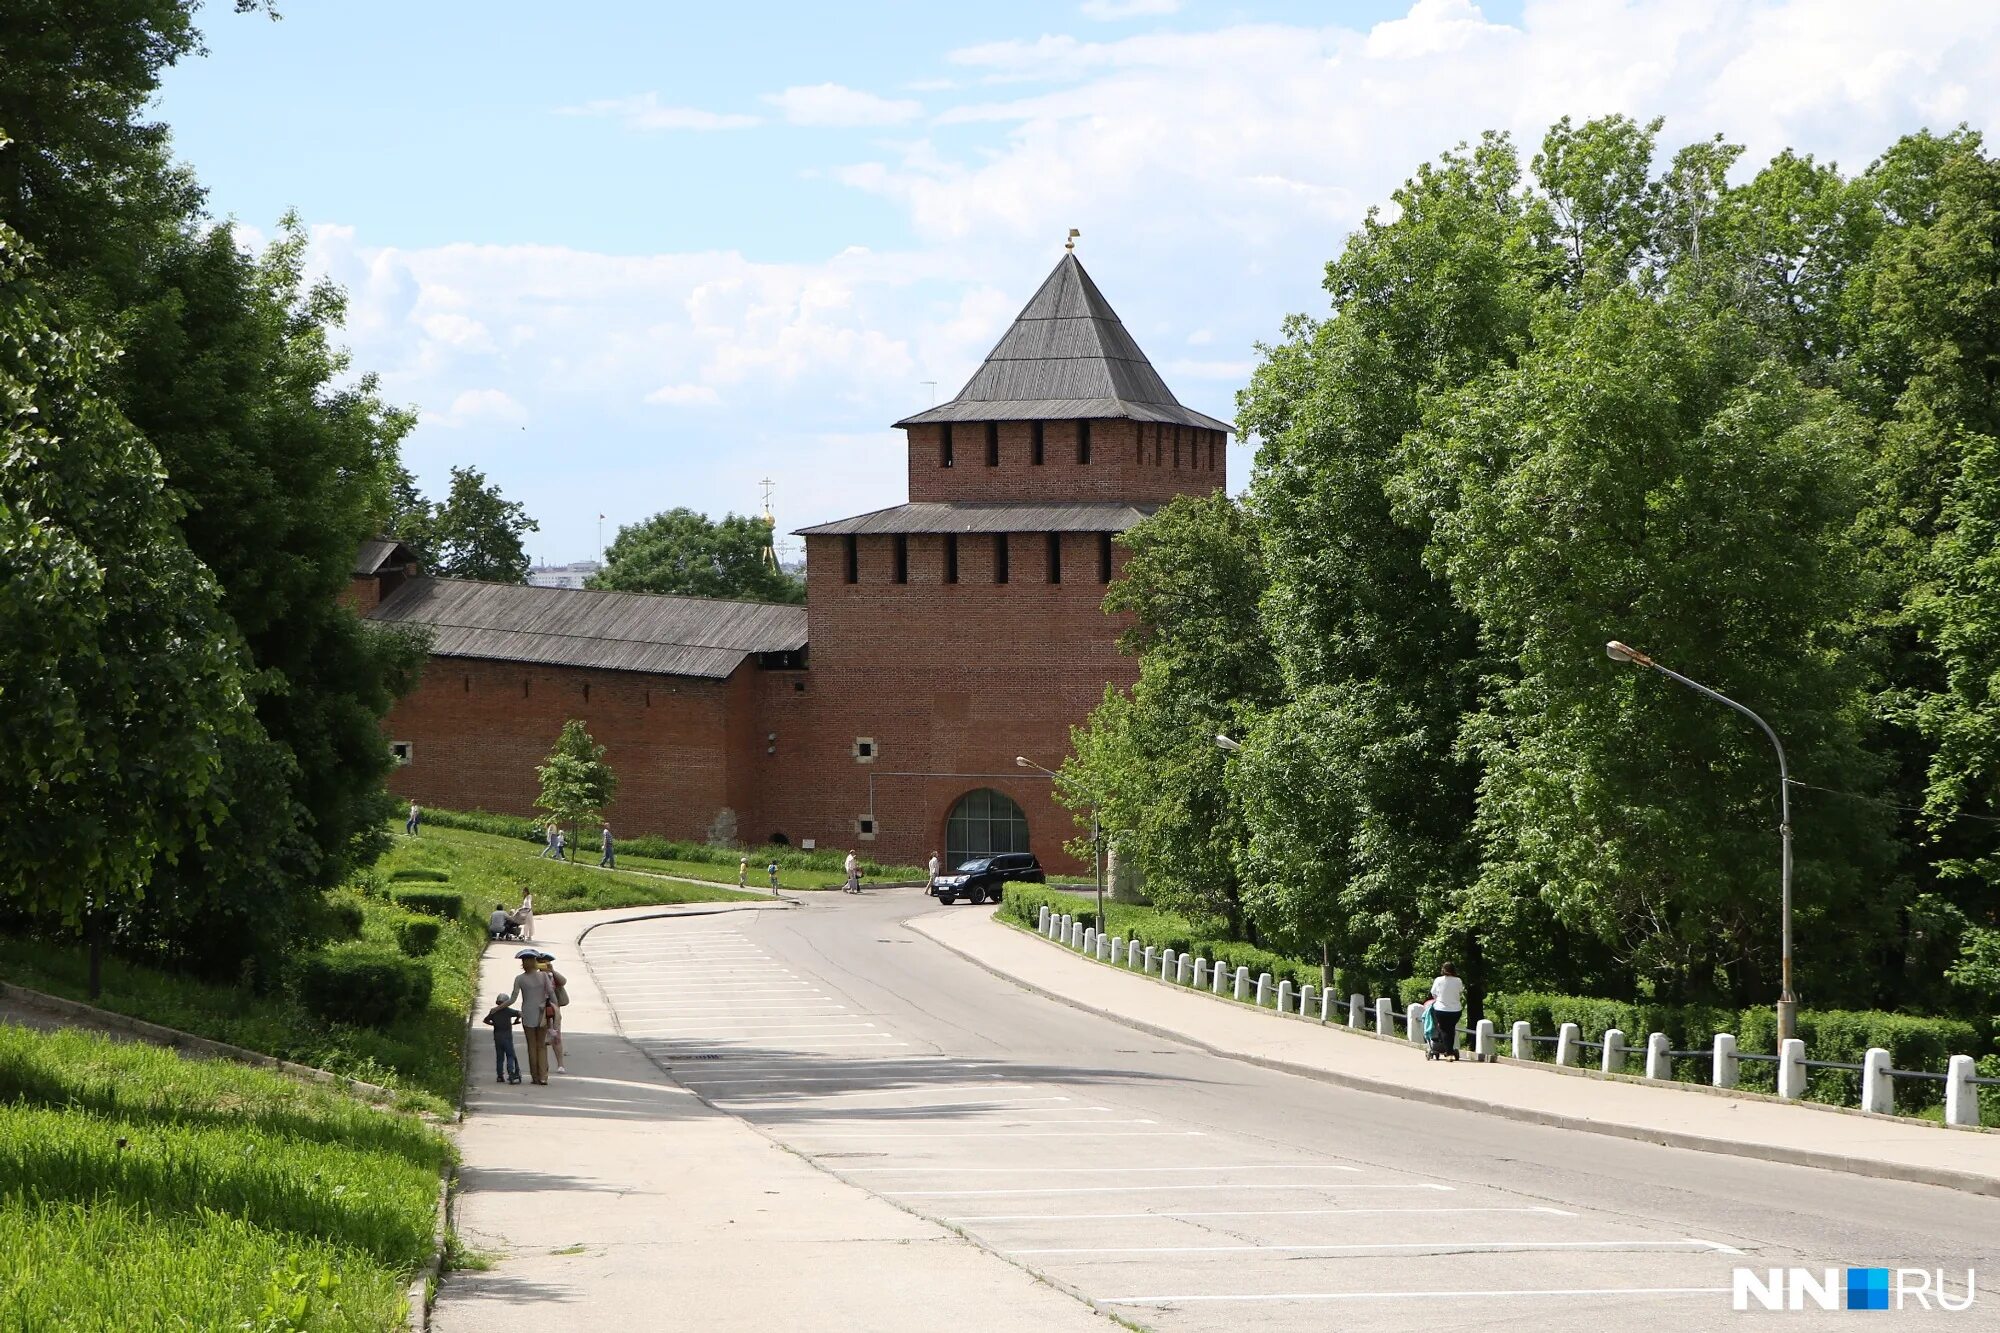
984,823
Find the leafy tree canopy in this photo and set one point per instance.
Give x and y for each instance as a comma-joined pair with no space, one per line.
473,533
681,551
577,785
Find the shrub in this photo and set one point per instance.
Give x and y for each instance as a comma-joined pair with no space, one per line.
342,916
416,936
421,875
440,903
363,984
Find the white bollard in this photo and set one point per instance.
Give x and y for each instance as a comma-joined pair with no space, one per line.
1326,1002
1285,996
1201,974
1961,1094
1483,1040
1522,1041
1062,933
1878,1090
1725,1067
1569,1039
1185,973
1117,948
1357,1005
1614,1051
1413,1023
1076,936
1263,989
1385,1017
1147,959
1792,1069
1242,988
1166,971
1107,949
1218,977
1306,1000
1042,918
1132,954
1659,1064
1090,942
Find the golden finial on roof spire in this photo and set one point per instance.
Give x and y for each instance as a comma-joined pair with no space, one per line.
1069,246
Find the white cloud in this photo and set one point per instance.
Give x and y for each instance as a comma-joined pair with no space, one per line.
644,112
1110,11
685,395
480,407
831,105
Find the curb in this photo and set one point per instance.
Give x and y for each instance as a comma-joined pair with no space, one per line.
175,1039
1965,1181
421,1294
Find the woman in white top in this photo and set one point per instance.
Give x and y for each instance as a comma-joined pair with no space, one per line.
524,916
1447,1003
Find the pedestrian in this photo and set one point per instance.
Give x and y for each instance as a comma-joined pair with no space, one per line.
416,817
502,1018
554,1031
773,868
500,925
743,873
549,843
853,874
524,917
610,861
538,999
561,840
1447,1002
930,884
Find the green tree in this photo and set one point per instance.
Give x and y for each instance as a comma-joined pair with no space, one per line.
1147,762
681,551
473,533
577,785
119,675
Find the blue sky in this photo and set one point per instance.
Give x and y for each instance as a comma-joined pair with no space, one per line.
626,256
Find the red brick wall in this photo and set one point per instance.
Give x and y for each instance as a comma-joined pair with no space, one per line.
480,728
1128,461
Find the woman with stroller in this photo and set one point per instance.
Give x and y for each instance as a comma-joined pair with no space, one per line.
1447,1002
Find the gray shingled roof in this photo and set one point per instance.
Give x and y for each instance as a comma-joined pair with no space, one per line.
377,552
614,631
1067,356
987,516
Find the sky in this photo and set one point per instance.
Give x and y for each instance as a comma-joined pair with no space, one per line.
629,255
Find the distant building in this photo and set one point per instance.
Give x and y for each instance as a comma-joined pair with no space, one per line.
571,575
940,638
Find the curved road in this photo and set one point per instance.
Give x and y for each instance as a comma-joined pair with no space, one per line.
1181,1190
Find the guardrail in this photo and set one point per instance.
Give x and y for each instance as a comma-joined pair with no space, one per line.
1962,1080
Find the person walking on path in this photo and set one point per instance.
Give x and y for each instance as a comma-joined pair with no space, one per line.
743,873
1447,1003
773,868
930,884
853,874
416,818
524,917
537,992
561,841
610,861
553,1029
501,1018
549,843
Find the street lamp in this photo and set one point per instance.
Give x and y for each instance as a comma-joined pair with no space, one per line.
1096,847
1225,743
1788,1005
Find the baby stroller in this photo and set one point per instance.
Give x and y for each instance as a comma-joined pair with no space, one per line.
1439,1038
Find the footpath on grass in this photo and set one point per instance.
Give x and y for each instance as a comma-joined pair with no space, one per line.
614,1198
1684,1117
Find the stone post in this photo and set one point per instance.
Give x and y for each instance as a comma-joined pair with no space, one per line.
1413,1023
1659,1065
1306,1000
1357,1005
1218,977
1725,1068
1285,996
1185,974
1106,950
1483,1040
1132,954
1090,942
1961,1094
1385,1017
1117,948
1878,1090
1201,974
1569,1039
1614,1051
1521,1041
1326,1003
1042,918
1147,960
1263,989
1792,1069
1242,989
1166,965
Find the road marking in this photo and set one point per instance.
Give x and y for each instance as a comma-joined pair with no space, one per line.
1417,1295
1014,1134
703,1039
1433,1247
763,1104
806,1125
764,1027
1120,1170
904,1092
909,1079
1141,1189
1243,1212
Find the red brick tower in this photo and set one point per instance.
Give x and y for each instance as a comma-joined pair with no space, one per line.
952,633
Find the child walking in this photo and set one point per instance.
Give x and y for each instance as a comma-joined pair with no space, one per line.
502,1018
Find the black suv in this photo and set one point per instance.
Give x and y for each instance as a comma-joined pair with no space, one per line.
979,880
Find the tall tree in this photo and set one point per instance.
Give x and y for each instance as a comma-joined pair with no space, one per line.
577,785
473,533
118,666
681,551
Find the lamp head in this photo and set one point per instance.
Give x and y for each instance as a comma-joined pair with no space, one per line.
1021,761
1619,652
1226,743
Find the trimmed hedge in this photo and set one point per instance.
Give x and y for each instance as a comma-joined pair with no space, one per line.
441,903
1838,1034
363,985
343,916
416,936
421,875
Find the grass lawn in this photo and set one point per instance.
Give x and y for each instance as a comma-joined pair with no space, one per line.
141,1190
579,886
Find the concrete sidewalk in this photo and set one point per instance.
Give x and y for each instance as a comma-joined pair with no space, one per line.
1801,1134
614,1199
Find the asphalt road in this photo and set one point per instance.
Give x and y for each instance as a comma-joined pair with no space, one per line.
1180,1190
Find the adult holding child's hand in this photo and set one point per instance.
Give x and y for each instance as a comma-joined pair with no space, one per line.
536,990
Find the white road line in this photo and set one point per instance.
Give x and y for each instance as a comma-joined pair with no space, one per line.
693,1039
905,1092
1416,1295
908,1079
765,1104
1245,1212
1118,1170
760,1027
807,1126
1141,1189
1434,1247
1014,1134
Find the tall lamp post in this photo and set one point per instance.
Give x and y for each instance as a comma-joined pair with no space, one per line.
1788,1005
1096,848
